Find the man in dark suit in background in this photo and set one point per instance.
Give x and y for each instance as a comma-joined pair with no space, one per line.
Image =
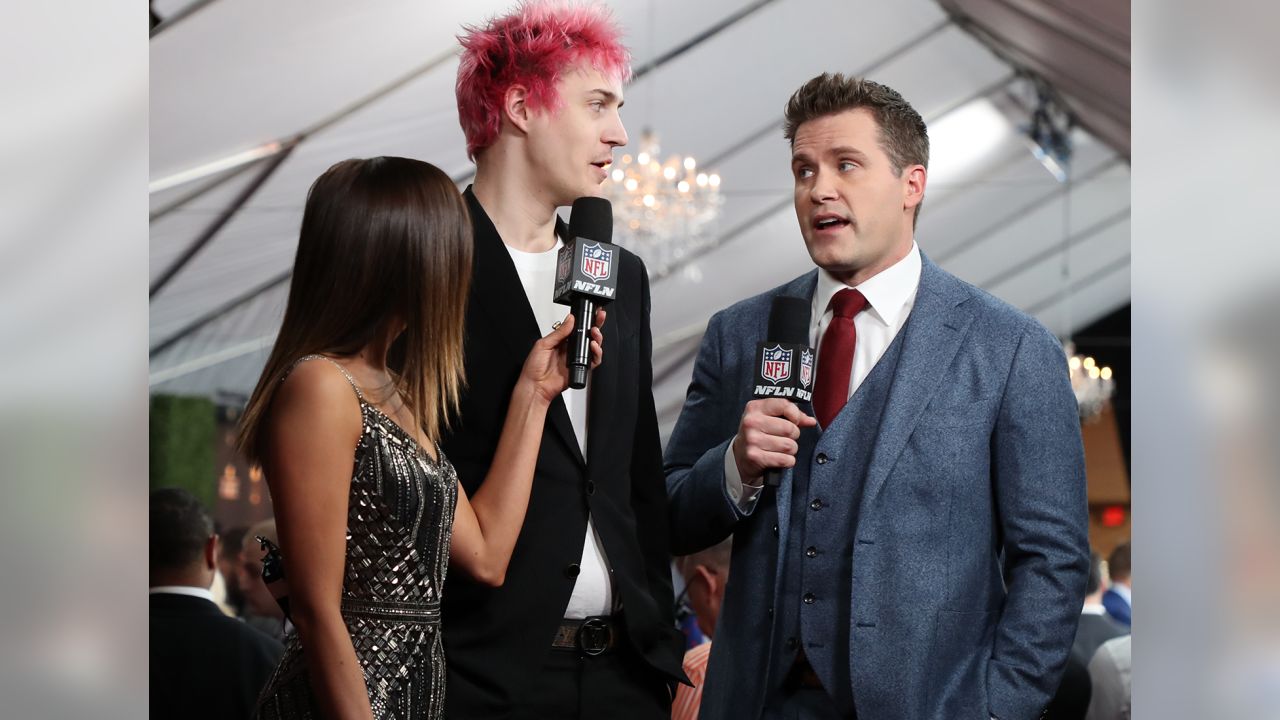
584,624
926,551
1096,627
203,663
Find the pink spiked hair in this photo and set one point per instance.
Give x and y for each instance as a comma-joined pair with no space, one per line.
532,46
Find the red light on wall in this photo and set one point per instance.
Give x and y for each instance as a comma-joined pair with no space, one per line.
1113,516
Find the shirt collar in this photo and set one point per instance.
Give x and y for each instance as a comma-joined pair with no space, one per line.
1124,591
887,292
183,590
1093,609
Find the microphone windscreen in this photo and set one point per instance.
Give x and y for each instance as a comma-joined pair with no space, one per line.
789,321
592,219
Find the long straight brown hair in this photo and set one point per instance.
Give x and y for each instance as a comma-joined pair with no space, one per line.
382,239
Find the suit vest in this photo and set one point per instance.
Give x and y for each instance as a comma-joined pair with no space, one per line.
814,608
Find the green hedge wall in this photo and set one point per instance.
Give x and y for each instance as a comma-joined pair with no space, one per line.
183,432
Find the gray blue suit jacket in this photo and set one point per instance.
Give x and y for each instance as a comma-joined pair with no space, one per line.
971,551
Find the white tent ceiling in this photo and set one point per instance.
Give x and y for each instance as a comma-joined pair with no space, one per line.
376,78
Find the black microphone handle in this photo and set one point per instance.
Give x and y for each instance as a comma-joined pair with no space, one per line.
579,356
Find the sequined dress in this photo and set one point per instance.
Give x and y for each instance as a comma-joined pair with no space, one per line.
399,520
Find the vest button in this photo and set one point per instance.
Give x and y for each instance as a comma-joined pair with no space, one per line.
792,643
572,570
809,598
775,529
591,488
770,611
811,551
816,505
822,458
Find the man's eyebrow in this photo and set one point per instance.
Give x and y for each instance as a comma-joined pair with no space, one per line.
804,156
847,150
608,95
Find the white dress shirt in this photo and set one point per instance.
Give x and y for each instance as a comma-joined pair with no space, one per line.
1093,609
890,296
592,591
191,590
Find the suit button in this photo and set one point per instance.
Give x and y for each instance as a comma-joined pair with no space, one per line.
572,570
816,505
811,551
822,458
809,598
591,488
791,643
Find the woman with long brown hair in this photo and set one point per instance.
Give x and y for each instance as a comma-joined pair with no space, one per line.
364,374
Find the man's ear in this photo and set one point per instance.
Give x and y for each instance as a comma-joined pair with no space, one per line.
916,176
211,552
515,107
708,577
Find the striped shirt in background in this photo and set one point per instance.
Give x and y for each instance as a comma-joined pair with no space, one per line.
689,699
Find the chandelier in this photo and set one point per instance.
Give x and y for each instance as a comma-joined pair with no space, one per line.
663,210
1091,383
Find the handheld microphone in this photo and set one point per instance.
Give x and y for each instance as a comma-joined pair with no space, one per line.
784,362
586,277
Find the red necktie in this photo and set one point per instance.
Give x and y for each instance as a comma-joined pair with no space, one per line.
835,359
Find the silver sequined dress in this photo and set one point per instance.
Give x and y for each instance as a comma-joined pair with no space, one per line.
399,520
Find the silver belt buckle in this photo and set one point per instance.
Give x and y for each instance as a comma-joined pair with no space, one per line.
593,636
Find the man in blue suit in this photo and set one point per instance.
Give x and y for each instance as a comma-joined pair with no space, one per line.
1118,599
924,555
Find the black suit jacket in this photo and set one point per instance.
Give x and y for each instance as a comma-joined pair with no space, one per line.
203,663
497,638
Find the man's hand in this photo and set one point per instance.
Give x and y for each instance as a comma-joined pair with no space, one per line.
767,438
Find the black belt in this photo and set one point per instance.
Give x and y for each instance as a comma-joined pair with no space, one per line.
592,636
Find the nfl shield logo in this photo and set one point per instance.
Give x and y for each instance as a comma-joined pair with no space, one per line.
596,261
775,365
806,368
565,267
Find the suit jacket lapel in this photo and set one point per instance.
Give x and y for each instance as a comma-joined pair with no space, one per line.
498,293
938,323
602,383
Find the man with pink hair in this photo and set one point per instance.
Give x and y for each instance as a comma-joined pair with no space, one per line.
583,625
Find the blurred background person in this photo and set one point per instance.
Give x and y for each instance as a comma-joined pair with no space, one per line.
203,663
705,575
1096,627
1071,702
260,609
1118,599
1110,673
229,553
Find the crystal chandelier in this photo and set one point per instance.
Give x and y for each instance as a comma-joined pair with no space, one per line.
663,211
1091,383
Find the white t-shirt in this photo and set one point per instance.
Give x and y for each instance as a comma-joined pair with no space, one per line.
592,592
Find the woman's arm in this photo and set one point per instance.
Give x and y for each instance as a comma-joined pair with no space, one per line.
485,526
311,436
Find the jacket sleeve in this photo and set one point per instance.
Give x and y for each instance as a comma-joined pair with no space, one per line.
1039,486
702,512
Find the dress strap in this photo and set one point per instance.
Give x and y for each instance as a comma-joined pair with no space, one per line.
336,364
